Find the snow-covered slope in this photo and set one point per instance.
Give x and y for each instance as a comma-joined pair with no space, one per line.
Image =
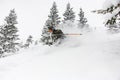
91,56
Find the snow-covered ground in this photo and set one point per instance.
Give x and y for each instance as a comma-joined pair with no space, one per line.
92,56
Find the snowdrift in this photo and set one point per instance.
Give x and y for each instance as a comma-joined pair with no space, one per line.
92,56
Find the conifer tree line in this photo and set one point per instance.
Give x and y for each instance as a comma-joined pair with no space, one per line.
9,38
53,21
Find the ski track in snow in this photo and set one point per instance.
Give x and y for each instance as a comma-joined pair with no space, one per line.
92,56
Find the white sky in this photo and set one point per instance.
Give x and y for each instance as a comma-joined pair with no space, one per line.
32,14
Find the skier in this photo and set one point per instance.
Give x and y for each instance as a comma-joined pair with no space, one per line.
55,34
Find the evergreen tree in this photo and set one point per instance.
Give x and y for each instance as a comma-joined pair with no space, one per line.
54,17
69,14
82,20
114,13
8,32
29,41
1,43
1,51
36,42
48,36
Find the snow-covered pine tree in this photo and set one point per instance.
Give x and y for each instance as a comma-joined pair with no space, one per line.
1,51
54,17
8,33
1,43
48,38
112,13
36,42
82,20
46,35
29,41
69,14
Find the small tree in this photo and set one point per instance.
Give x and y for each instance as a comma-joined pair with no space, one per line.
69,14
8,33
82,20
29,41
36,42
1,51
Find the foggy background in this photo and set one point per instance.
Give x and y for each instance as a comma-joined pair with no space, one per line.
32,14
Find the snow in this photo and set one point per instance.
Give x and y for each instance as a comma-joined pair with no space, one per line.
91,56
